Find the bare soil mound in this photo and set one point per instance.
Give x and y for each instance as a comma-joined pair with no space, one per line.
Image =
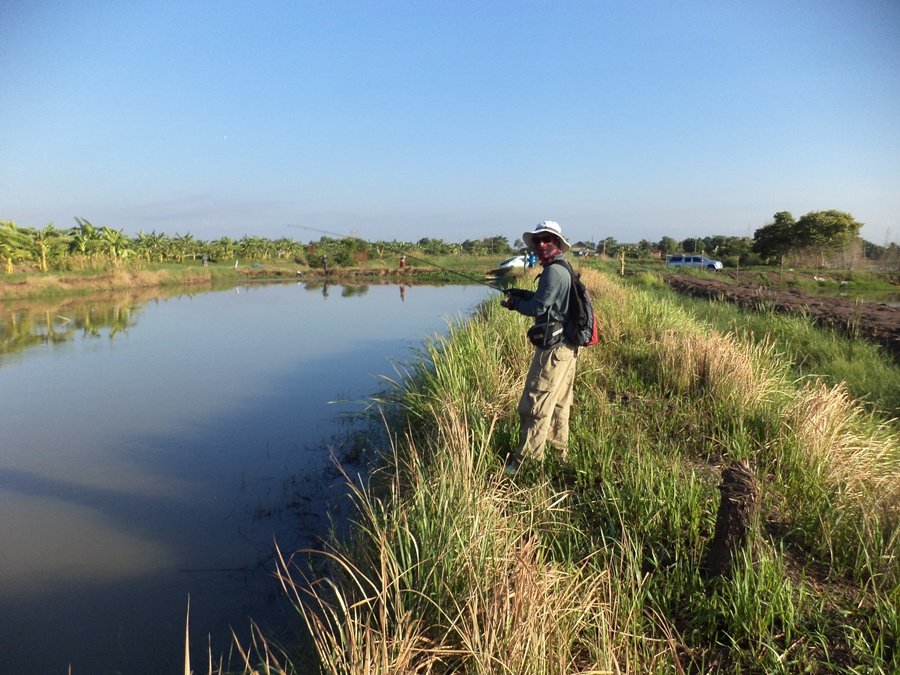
877,322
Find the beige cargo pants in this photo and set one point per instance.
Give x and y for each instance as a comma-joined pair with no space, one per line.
544,406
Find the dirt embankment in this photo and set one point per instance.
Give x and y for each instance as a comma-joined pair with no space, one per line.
877,322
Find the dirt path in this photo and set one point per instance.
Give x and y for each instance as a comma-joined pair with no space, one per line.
877,322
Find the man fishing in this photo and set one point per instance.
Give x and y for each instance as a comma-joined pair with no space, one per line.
544,405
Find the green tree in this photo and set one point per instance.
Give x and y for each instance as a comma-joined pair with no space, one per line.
630,251
819,232
692,245
350,251
715,245
608,246
667,246
473,247
777,238
497,245
433,247
739,250
826,230
341,252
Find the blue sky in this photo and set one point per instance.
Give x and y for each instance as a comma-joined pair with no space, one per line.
451,119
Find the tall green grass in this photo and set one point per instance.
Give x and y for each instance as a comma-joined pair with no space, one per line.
595,565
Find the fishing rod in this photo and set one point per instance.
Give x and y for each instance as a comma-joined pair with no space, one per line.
396,249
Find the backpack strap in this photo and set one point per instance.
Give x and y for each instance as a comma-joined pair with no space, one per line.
575,306
573,290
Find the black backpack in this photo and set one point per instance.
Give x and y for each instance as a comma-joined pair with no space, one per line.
581,323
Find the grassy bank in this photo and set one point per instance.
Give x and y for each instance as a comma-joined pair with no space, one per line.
22,286
596,566
810,280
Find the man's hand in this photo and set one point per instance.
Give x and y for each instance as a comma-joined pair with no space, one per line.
519,293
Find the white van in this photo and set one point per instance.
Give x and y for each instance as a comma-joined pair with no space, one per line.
693,260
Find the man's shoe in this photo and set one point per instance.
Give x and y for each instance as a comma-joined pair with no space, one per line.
512,466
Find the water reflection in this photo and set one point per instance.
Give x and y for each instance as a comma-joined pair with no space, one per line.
21,330
889,298
346,290
31,323
163,460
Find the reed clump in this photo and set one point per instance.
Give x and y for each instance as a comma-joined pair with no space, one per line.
713,366
831,356
854,448
595,564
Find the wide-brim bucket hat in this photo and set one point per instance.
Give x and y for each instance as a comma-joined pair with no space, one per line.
546,227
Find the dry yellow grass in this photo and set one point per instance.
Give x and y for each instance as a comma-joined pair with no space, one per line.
852,450
717,366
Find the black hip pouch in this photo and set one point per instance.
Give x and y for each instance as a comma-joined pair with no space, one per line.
545,334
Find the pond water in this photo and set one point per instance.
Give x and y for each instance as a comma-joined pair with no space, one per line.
152,449
890,298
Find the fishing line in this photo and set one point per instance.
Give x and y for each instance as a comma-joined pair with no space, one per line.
402,252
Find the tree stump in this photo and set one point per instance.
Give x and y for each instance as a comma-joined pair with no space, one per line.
738,509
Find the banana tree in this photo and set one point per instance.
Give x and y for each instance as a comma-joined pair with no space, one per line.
222,249
286,248
151,246
115,242
47,242
251,248
85,238
183,245
15,245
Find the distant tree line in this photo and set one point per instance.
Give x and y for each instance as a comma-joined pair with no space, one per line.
735,250
86,246
818,238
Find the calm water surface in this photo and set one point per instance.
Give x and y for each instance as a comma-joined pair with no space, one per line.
152,450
